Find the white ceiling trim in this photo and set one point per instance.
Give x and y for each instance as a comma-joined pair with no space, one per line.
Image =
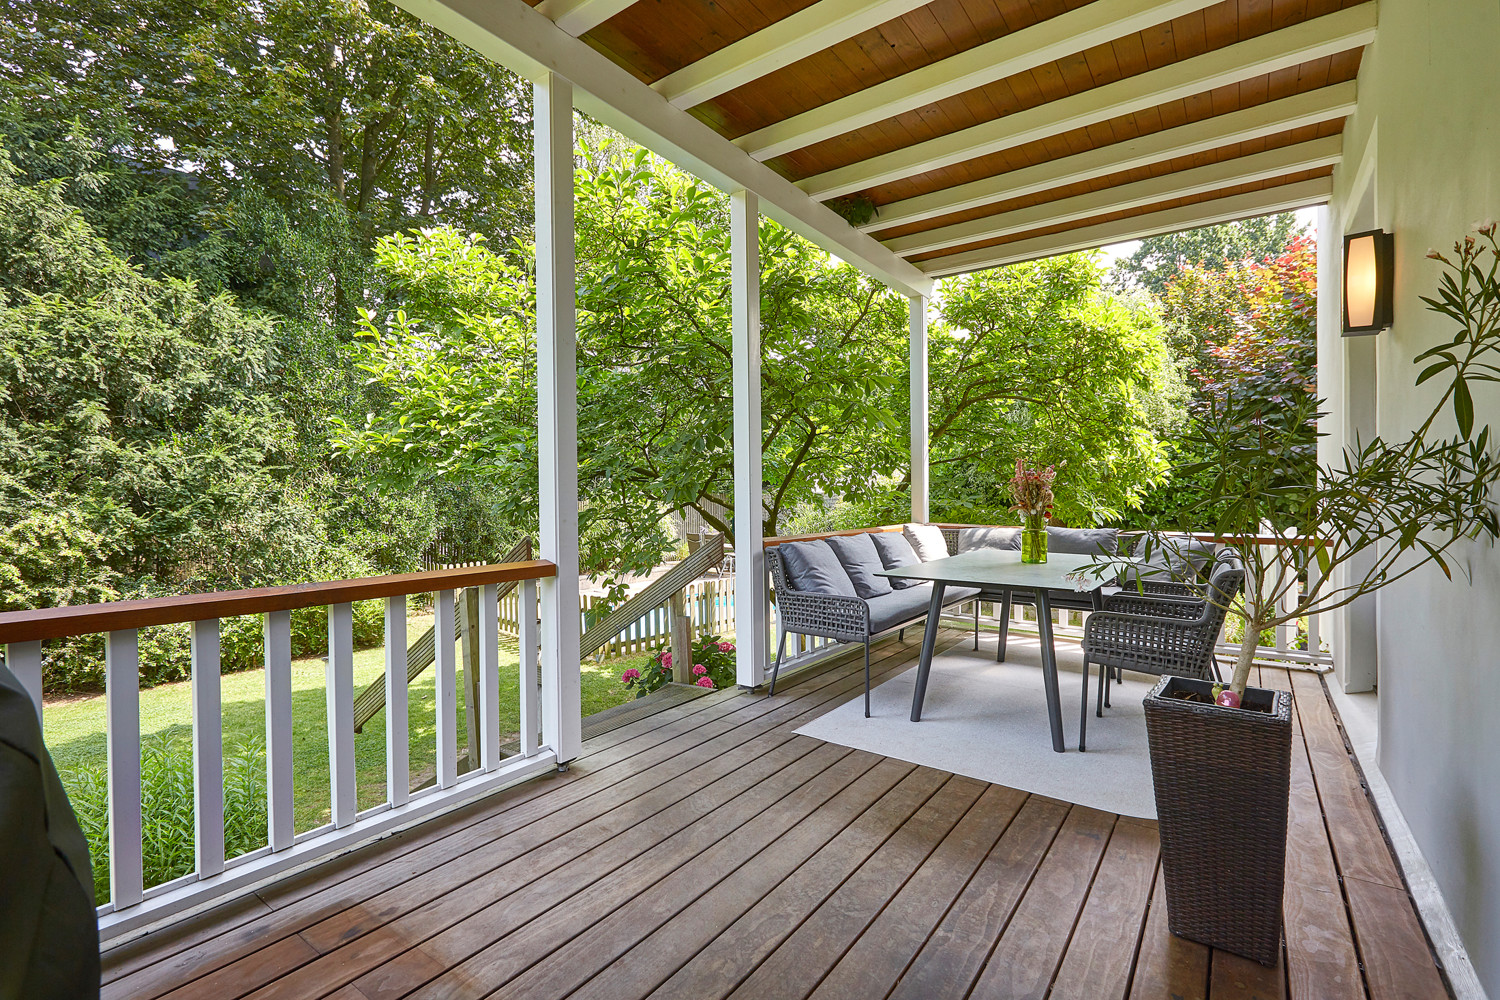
1209,213
804,33
1047,41
1262,166
1311,108
517,36
578,16
1323,36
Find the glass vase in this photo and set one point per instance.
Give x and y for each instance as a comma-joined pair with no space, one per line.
1034,540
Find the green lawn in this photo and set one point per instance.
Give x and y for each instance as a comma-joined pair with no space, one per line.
76,738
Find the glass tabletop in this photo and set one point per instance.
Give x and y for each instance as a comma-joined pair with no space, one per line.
997,568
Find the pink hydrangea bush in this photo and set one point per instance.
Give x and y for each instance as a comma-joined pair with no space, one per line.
713,668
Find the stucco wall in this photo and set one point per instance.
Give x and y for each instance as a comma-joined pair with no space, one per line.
1429,124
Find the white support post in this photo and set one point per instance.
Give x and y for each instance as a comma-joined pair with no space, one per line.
446,681
280,808
751,605
530,710
489,676
208,749
24,659
557,413
122,700
918,403
338,689
397,734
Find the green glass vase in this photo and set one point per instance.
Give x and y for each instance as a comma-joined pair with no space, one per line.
1034,540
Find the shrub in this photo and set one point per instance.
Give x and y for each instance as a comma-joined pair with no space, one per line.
713,668
167,831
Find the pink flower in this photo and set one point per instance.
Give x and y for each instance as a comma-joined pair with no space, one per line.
726,647
699,670
704,682
666,659
630,676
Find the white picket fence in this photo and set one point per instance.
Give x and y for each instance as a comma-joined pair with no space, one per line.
710,605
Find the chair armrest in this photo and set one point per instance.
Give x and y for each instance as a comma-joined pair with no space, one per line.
828,615
1152,643
1167,588
1160,607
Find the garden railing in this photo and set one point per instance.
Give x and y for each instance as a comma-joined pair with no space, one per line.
132,904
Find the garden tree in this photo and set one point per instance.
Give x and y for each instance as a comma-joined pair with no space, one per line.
1158,259
1247,331
361,101
1037,360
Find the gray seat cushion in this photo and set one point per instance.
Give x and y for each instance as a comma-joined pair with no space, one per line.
970,539
927,541
895,552
1084,541
861,561
903,607
812,568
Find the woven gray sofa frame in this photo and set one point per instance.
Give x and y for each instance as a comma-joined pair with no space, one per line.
846,619
1156,635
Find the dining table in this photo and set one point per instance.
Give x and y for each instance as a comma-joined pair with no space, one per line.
999,572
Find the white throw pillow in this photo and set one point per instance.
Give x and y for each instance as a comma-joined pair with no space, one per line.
926,540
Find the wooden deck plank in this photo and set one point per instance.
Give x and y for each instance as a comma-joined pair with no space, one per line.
1168,966
1024,962
1234,978
1103,948
1397,959
807,955
887,947
952,958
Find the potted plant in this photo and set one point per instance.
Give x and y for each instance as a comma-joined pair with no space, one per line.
1221,758
1031,489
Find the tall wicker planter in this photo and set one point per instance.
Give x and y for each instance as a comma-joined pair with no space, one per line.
1223,779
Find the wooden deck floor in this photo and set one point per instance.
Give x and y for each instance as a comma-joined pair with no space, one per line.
708,852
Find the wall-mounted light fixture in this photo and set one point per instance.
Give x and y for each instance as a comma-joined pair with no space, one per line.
1369,271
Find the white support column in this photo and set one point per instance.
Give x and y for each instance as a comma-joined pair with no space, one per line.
208,749
918,402
750,592
557,413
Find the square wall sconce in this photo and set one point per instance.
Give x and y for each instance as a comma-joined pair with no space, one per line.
1369,272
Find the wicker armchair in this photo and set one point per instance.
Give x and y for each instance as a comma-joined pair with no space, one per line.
1153,635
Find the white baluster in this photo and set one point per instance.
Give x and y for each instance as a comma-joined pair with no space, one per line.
447,691
397,735
280,812
122,697
489,676
208,750
529,681
24,659
338,686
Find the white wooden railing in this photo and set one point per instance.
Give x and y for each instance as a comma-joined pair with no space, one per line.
133,904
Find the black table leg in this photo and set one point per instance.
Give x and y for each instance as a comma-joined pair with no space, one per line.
929,642
1049,668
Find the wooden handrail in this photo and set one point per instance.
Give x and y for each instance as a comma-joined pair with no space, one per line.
86,619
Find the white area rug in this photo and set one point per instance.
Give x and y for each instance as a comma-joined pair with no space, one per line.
988,720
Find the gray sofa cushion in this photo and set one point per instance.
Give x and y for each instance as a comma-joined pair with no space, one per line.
862,562
812,568
970,539
895,552
1084,541
927,541
1172,557
903,607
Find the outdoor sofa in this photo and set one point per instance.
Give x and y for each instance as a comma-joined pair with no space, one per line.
829,586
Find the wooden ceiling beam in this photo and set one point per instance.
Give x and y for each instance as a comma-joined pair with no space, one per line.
1272,163
1297,111
810,30
1283,198
578,16
1351,28
1047,41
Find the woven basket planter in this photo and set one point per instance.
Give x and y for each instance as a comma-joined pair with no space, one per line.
1222,779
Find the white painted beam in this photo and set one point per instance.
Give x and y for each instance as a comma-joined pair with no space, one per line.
750,593
579,16
1209,213
1311,108
516,36
1047,41
1323,36
917,399
1261,166
810,30
557,413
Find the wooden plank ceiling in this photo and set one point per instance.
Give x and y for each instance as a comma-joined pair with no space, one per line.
988,131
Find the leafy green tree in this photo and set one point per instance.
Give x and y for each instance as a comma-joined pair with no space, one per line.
1158,259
